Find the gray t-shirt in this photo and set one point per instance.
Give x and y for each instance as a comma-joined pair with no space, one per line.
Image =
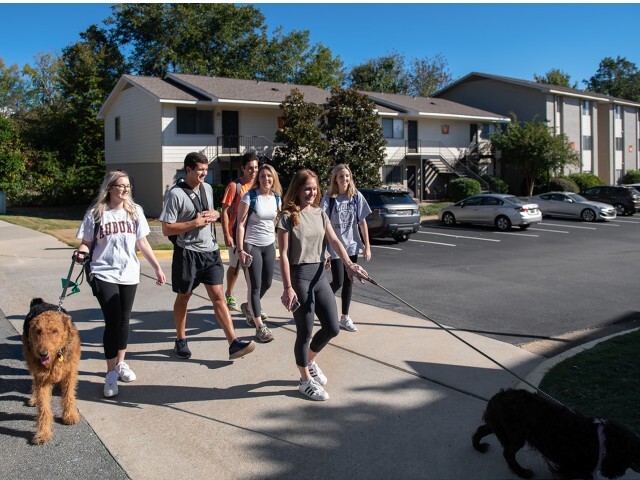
114,257
345,217
179,208
307,239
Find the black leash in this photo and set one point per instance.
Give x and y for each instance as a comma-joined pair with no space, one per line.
473,347
75,260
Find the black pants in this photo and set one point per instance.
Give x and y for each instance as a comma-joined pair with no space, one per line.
316,298
339,275
116,302
259,274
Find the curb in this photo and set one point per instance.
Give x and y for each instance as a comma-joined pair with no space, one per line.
536,376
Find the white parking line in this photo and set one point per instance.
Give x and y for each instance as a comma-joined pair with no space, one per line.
388,248
460,236
567,226
545,230
432,243
518,234
625,221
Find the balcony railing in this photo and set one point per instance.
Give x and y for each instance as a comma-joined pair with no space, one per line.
236,145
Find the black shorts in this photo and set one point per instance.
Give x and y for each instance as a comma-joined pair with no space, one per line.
189,269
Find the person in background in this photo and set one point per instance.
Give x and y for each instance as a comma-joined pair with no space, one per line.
347,210
303,232
112,228
256,243
230,205
196,256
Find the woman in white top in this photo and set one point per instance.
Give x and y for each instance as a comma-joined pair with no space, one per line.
347,210
111,230
255,240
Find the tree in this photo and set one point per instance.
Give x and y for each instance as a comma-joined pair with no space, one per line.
426,76
12,161
534,150
384,74
557,77
617,78
321,69
303,144
354,135
12,89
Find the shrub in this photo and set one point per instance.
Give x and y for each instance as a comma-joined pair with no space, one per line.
586,180
497,185
218,194
461,188
561,184
631,176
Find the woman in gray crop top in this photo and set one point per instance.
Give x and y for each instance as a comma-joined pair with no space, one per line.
303,232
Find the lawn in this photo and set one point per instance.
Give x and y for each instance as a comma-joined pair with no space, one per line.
603,381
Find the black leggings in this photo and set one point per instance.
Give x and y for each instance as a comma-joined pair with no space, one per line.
260,274
116,302
316,299
339,275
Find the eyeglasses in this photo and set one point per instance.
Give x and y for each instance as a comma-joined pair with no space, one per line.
122,187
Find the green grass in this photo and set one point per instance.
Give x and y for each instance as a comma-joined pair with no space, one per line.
432,208
603,381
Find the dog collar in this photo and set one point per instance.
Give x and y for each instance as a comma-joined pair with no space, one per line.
602,451
61,355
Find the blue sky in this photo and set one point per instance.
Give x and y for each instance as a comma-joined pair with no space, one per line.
516,40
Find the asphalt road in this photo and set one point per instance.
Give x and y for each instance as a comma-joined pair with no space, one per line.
556,277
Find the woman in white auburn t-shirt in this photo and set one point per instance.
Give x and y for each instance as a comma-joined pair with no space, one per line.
255,240
114,267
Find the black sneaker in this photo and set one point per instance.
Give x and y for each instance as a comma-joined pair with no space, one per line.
182,349
240,348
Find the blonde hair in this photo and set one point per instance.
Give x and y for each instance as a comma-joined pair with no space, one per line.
291,200
101,202
276,187
334,190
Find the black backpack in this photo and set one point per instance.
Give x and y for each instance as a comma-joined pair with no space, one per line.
182,183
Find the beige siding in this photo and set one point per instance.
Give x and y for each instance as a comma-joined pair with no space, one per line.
630,134
259,122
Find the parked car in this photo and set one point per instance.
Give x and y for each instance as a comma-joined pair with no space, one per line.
500,210
626,200
569,204
394,213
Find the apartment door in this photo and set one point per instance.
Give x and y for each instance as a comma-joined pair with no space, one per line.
411,180
412,136
473,132
230,131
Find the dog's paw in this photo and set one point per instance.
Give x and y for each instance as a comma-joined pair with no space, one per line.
71,418
481,447
32,402
41,437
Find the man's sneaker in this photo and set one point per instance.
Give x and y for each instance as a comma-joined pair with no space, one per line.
240,348
316,373
231,302
124,372
182,349
264,334
347,324
313,390
111,384
248,314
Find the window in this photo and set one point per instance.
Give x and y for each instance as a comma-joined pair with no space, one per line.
194,121
392,174
619,144
393,128
586,108
587,142
117,128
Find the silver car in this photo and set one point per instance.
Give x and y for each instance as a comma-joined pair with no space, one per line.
500,210
569,204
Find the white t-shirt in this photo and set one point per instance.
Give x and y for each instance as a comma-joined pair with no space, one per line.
114,258
261,229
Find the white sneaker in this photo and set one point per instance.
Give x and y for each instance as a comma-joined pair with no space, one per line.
316,373
124,372
347,324
111,384
313,390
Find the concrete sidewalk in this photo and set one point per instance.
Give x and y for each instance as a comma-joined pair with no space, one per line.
391,413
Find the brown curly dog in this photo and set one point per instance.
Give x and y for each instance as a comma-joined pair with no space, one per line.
51,346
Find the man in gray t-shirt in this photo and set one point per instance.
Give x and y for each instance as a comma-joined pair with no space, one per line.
196,255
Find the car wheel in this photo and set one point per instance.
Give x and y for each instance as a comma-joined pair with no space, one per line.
620,209
588,215
403,237
448,219
503,223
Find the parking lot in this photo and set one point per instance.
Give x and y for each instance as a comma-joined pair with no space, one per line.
558,276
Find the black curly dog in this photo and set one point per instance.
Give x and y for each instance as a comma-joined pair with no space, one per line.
570,443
